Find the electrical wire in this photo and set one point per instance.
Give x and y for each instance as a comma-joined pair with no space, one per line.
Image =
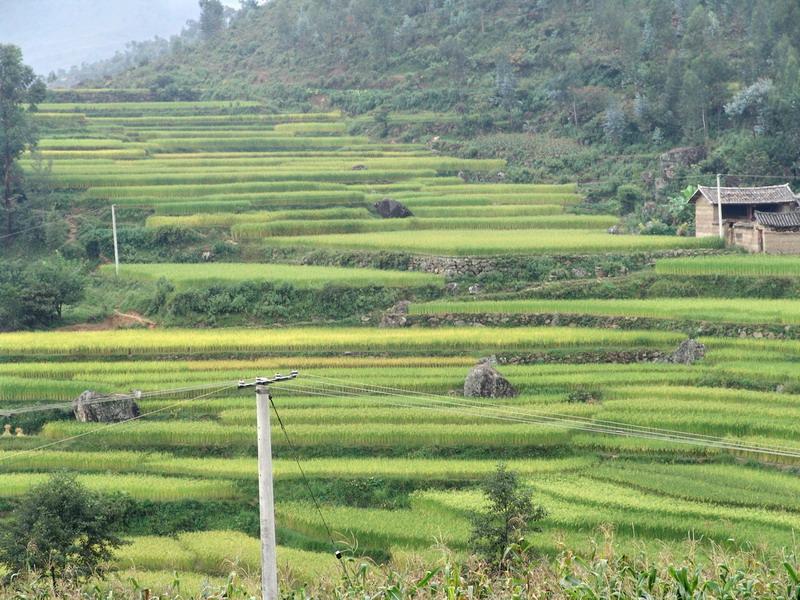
505,413
42,225
18,453
614,427
592,421
108,398
302,472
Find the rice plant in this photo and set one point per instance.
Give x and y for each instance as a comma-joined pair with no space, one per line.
735,265
496,243
255,231
304,276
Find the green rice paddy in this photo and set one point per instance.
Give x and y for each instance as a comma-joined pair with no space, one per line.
379,409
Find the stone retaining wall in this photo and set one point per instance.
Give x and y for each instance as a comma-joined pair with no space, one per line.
690,328
535,267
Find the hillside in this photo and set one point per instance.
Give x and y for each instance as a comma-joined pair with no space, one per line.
439,216
633,78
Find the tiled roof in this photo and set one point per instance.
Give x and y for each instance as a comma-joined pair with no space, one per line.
778,220
770,194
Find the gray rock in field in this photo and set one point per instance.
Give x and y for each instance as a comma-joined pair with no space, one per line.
396,316
88,408
388,208
484,381
689,352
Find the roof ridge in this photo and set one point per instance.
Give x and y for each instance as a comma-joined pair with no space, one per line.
739,187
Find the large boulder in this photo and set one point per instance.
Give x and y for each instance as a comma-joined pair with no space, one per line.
91,407
689,352
484,381
389,208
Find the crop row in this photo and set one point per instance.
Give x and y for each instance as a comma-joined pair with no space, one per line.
216,553
171,467
232,163
188,275
218,220
490,199
171,179
201,435
496,243
142,487
251,201
221,120
255,231
198,342
210,193
168,108
729,310
731,265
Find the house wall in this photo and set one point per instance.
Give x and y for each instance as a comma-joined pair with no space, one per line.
705,217
781,242
745,236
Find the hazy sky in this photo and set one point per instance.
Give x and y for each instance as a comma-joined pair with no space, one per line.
55,34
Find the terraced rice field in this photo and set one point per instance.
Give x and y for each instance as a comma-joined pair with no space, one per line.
349,420
722,310
377,418
304,276
737,265
235,167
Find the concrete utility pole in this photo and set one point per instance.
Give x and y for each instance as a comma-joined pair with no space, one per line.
114,229
266,499
266,503
719,207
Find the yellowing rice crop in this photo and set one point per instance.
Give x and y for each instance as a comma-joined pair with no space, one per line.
188,275
525,241
199,342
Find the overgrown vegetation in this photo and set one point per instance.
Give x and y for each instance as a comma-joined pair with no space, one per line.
62,529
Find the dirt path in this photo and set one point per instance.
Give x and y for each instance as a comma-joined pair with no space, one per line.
118,320
72,229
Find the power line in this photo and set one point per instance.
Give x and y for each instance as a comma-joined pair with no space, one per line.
303,473
42,225
18,453
138,395
552,419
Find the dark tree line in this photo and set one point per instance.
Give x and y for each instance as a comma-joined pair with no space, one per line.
20,92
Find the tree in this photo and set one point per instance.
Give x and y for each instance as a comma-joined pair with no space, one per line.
19,86
62,528
212,18
615,122
509,515
33,295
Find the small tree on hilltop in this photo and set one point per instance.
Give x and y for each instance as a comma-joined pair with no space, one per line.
61,528
509,515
